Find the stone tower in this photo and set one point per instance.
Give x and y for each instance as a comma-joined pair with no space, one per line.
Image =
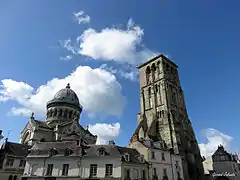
163,115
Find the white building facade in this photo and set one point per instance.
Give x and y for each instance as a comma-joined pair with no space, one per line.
163,164
92,162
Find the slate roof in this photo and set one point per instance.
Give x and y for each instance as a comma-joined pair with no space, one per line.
15,149
41,124
42,149
117,151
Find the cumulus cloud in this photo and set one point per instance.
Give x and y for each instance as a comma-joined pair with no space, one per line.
105,132
127,72
19,111
112,44
214,139
81,18
98,90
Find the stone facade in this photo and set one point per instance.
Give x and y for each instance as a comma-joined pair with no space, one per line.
163,116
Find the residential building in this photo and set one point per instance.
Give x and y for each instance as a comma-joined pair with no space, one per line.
12,160
163,163
222,165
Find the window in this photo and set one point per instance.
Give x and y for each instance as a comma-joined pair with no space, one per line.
15,177
178,138
9,162
174,101
143,174
177,163
150,97
22,163
163,157
178,174
109,170
101,152
10,177
153,155
127,173
93,170
49,170
53,152
68,152
164,172
154,171
65,169
127,158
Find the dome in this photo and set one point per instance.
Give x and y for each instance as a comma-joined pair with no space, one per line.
65,96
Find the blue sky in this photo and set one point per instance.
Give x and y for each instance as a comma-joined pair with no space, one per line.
202,37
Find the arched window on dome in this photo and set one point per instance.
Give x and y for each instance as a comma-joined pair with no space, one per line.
70,114
55,112
65,113
60,112
50,113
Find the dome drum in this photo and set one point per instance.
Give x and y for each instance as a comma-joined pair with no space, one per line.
63,108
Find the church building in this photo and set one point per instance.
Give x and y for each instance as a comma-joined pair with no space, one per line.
63,149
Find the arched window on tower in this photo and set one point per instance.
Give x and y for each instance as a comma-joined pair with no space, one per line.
157,128
158,67
153,68
148,71
150,97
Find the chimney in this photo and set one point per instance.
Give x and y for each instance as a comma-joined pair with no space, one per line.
112,143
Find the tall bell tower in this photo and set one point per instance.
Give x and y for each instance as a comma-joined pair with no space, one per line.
163,116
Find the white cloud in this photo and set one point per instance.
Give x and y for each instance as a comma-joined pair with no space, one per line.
214,139
112,44
105,132
81,18
98,90
19,111
66,58
127,72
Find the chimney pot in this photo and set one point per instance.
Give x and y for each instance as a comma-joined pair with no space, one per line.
111,142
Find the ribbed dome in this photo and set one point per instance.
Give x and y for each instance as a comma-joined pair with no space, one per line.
67,96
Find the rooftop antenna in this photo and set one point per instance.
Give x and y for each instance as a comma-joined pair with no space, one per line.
9,132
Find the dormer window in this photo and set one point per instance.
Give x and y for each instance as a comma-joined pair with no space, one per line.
127,157
141,158
53,152
67,152
101,152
